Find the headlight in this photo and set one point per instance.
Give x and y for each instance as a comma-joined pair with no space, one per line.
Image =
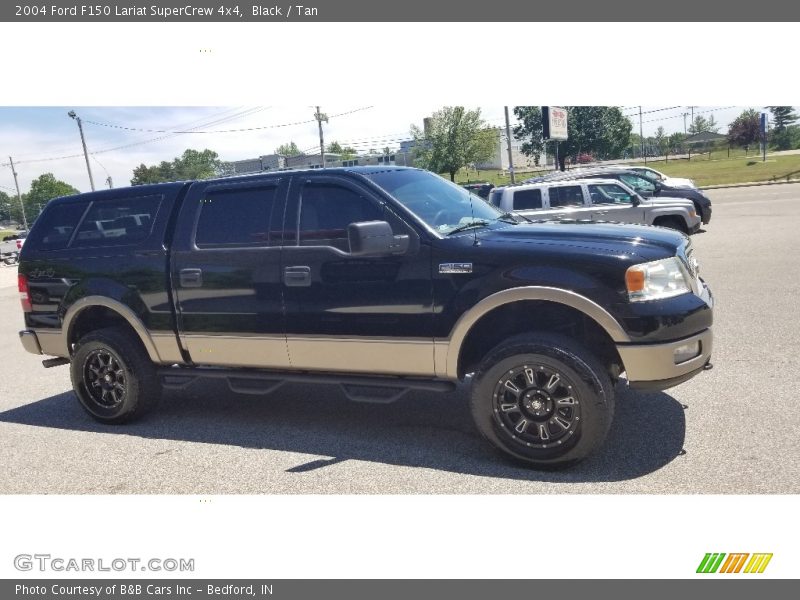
656,280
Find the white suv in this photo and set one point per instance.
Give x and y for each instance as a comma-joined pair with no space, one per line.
594,200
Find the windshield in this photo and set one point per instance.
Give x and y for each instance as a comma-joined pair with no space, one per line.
444,206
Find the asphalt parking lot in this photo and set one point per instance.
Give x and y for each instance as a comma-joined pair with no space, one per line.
731,430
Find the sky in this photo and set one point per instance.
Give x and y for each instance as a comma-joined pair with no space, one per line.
46,140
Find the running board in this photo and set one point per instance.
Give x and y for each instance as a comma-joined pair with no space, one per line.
381,390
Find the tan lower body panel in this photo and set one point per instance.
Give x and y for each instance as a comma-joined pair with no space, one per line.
385,356
265,352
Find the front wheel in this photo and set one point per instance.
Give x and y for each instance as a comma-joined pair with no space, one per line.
113,377
542,399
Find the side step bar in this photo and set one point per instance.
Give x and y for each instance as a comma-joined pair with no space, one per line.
382,390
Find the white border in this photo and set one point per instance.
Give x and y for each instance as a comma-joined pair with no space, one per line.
513,63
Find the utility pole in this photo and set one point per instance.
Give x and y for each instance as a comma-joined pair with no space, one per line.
641,135
19,196
684,122
83,141
508,144
320,117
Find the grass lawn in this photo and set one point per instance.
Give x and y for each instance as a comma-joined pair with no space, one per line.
704,171
735,170
5,232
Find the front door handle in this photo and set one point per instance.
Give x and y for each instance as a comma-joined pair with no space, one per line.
298,276
191,278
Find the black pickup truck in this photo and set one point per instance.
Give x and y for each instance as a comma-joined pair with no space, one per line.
380,280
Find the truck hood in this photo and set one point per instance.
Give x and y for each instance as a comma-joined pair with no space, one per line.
662,201
679,182
645,241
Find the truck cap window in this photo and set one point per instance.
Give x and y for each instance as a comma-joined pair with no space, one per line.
235,217
54,227
118,221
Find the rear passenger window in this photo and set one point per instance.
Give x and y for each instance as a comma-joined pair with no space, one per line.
54,227
236,217
527,199
327,210
118,222
568,195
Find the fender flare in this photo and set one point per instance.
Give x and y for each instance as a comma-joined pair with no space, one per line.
463,326
118,307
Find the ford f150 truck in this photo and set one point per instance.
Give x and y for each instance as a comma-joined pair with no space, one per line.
381,280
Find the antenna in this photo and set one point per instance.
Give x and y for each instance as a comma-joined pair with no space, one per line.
475,241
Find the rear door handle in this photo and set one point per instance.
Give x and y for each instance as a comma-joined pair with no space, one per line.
191,278
298,276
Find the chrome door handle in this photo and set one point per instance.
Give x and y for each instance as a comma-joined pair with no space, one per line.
297,276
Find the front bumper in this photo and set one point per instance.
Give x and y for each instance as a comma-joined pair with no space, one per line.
653,366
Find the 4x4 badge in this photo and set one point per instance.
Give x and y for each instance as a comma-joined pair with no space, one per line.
455,268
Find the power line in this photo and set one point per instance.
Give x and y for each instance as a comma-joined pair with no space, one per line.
170,134
243,129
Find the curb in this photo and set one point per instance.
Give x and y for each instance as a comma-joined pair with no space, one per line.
747,184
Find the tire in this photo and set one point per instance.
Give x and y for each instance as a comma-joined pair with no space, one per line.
672,223
127,390
564,396
10,261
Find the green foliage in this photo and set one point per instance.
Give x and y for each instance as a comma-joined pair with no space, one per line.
455,138
675,142
602,131
192,164
289,149
782,117
5,206
334,148
787,139
43,189
745,130
701,124
346,152
529,129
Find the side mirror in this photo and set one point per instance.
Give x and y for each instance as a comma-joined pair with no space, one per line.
659,187
636,199
375,238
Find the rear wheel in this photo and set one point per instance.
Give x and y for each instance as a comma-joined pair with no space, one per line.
543,399
113,377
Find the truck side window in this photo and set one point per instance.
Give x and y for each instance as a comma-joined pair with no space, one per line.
326,210
567,195
606,193
118,222
235,217
527,199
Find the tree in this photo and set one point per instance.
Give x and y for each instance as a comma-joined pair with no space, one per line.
43,189
5,206
745,130
660,141
701,124
597,130
455,138
782,117
529,130
289,149
192,164
675,143
334,148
